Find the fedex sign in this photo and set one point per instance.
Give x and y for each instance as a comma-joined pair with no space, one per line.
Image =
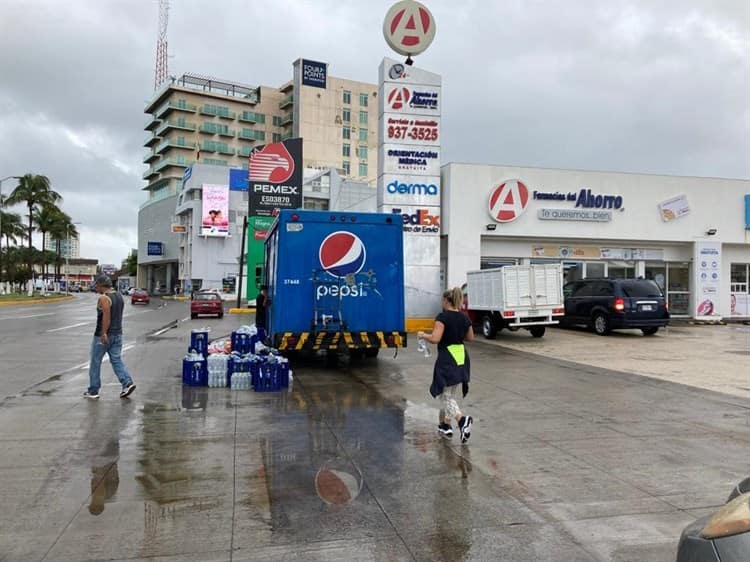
419,221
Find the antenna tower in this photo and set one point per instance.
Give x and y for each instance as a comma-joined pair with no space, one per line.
162,70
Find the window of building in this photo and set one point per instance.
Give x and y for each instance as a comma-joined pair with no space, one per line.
363,100
347,96
347,150
362,153
363,118
347,167
363,169
277,137
346,132
277,121
363,134
346,115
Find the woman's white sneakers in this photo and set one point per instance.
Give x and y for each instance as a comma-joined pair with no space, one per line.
445,430
464,425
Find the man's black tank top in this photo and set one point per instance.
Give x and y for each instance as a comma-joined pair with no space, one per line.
115,315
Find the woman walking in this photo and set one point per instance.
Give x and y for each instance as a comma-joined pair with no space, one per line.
452,368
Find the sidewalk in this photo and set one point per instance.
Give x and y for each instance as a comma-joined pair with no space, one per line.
709,357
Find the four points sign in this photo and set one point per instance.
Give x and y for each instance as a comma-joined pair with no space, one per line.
409,28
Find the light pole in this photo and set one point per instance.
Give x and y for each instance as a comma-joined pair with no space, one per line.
1,214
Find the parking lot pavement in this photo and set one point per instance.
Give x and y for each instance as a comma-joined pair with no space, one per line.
566,462
710,357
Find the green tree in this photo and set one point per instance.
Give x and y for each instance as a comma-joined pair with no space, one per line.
34,191
45,220
12,230
62,228
130,264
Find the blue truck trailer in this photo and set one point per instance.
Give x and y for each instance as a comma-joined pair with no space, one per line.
335,282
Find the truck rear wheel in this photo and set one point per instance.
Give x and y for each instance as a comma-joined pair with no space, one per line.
489,328
537,331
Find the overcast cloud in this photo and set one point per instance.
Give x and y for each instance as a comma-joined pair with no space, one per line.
629,85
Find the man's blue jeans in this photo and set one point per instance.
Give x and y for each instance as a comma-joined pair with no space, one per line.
114,349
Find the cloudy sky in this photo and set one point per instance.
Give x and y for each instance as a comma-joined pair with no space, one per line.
626,85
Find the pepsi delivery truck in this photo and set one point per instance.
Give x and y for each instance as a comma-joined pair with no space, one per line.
335,282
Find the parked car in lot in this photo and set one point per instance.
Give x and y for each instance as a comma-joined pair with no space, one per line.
139,295
723,536
610,304
206,302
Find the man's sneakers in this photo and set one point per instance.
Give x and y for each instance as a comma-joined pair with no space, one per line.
127,391
445,430
464,425
91,395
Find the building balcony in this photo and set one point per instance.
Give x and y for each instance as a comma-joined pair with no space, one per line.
150,173
286,136
152,155
218,112
171,162
186,145
179,125
287,119
288,87
151,140
247,135
286,102
227,133
245,151
208,147
248,117
152,123
226,150
170,106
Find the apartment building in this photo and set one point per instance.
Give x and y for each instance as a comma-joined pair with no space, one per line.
196,119
69,248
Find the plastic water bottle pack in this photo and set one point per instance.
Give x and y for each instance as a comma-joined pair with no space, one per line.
423,347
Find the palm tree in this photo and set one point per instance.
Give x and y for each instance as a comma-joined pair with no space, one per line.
34,191
62,228
12,229
45,220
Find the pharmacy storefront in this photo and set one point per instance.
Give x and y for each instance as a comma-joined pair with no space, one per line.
690,235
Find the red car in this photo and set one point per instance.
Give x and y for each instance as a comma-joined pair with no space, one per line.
139,295
206,302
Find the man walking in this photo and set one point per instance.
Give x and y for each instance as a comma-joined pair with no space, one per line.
108,339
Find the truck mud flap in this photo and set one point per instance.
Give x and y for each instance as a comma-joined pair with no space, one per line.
312,341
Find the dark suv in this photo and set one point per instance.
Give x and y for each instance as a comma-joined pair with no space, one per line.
610,304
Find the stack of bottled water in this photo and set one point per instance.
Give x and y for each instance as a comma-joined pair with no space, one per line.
241,381
217,370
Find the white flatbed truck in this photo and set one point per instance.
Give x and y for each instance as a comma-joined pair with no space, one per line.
515,297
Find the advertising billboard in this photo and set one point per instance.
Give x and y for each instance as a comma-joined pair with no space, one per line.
215,214
398,159
402,189
314,73
275,177
154,249
707,271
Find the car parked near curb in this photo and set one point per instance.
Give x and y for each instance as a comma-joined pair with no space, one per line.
610,304
206,302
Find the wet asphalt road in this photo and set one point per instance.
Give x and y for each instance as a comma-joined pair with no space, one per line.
566,462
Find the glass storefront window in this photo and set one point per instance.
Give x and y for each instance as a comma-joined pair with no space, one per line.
678,288
657,272
595,269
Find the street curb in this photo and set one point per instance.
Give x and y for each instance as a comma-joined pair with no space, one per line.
241,311
38,301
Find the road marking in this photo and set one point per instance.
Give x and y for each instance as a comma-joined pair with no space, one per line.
71,326
185,319
28,316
